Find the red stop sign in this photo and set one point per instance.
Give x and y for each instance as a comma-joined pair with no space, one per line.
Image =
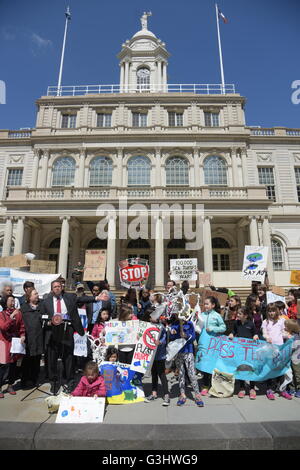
135,273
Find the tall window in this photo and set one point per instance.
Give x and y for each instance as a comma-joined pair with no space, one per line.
101,171
139,171
221,254
68,121
15,177
211,119
143,79
103,120
266,177
297,175
215,171
139,119
63,172
177,171
277,255
175,119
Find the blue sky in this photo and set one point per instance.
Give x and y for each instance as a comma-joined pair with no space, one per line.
261,49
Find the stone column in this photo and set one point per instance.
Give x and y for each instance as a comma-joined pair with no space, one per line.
36,240
76,242
126,76
42,180
111,251
159,75
80,178
121,77
266,235
235,174
35,168
196,167
27,236
19,236
158,169
64,247
164,77
240,244
253,231
159,252
207,246
7,236
244,167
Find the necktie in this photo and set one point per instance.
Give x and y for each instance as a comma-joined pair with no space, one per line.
58,306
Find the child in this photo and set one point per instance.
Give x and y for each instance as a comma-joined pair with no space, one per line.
244,328
104,315
273,330
293,296
292,329
282,309
159,366
144,302
126,351
185,358
213,324
111,354
234,304
253,308
91,383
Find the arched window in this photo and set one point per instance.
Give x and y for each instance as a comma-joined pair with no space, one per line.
101,171
138,243
221,254
277,255
138,248
97,244
215,171
177,171
139,171
63,172
176,244
56,243
143,78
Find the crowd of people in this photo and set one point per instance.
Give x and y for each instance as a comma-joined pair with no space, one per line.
46,327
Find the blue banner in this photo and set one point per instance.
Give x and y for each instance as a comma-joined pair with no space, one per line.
123,385
245,358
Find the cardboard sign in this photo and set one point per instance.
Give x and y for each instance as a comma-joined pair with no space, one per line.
255,263
81,410
16,261
95,265
117,332
145,348
184,269
41,266
133,272
205,279
295,278
278,291
222,298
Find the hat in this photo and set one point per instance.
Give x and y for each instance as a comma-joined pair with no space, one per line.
79,286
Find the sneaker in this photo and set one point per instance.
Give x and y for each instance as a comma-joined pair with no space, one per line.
151,398
241,394
1,395
199,402
270,395
181,401
286,395
204,392
252,394
166,401
297,394
10,390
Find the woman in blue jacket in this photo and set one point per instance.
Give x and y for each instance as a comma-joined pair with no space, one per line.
185,358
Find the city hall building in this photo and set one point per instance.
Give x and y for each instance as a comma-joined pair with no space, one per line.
150,142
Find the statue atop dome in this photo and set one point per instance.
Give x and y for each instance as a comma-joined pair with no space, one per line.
144,19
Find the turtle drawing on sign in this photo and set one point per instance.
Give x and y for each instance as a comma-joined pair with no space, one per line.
130,395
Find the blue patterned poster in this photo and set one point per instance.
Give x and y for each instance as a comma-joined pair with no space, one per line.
245,358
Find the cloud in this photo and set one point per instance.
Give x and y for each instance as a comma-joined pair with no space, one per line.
40,42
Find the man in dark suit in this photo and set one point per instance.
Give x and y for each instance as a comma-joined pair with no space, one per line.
63,321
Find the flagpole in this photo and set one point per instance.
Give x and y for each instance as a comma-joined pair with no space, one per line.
220,52
68,17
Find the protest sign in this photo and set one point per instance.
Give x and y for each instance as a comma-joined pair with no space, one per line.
118,332
83,317
16,261
94,266
184,269
295,278
205,279
255,263
271,297
17,347
133,272
245,358
123,385
278,291
42,282
81,410
80,345
145,348
41,266
204,293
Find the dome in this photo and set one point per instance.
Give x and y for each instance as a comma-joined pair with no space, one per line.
144,32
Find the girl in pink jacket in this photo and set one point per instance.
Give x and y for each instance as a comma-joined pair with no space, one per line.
104,315
91,383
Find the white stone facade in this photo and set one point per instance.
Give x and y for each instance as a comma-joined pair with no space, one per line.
37,212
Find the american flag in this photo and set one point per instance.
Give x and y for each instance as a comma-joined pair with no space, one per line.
221,15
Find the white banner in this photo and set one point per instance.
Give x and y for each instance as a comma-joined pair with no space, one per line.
184,269
42,282
255,263
81,410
